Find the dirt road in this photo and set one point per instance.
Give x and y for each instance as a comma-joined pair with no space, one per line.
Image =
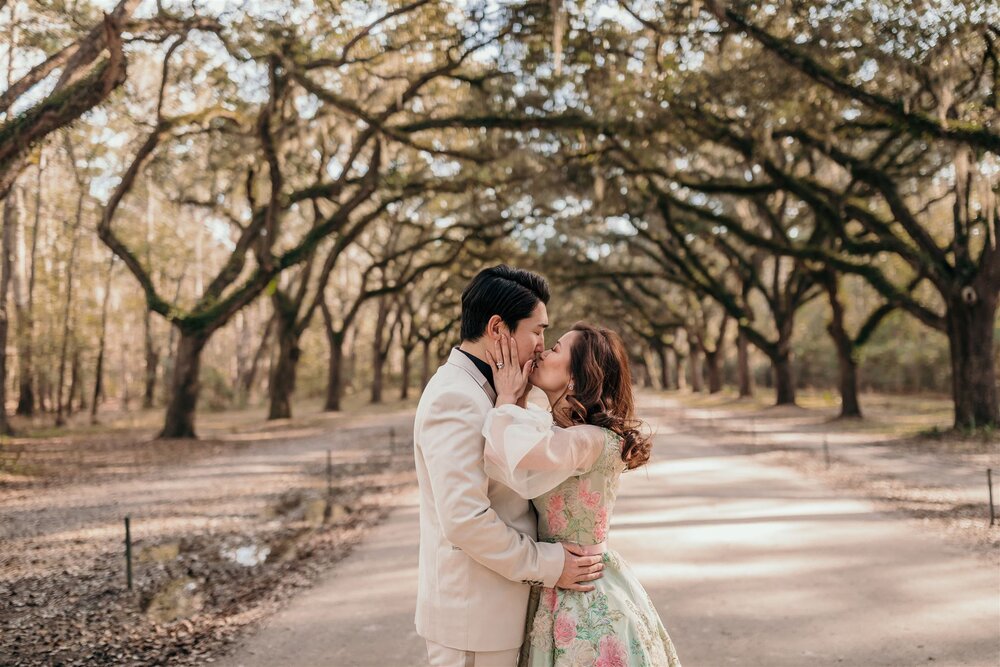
749,564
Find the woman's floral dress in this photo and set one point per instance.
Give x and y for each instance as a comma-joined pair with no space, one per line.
579,468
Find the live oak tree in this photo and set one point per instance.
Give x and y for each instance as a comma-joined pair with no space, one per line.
87,68
890,148
909,142
267,231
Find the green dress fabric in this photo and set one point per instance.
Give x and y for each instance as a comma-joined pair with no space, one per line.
615,625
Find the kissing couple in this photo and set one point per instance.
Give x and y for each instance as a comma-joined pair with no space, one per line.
514,566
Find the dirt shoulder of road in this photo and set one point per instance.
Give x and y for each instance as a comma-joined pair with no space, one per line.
225,529
902,454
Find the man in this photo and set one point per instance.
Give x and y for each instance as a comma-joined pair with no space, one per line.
478,554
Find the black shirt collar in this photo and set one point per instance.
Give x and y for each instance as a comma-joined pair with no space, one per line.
483,367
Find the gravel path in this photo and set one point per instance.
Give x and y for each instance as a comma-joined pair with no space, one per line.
748,563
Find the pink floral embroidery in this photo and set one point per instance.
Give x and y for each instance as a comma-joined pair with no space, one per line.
612,653
564,630
557,521
557,503
601,524
591,499
550,598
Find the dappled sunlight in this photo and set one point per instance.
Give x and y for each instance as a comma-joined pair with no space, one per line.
743,558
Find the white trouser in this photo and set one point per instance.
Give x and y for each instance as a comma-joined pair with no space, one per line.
442,656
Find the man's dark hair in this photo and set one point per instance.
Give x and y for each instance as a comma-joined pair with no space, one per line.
500,290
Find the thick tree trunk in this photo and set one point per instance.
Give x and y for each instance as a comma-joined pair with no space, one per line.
780,354
973,371
694,355
378,377
784,380
334,378
850,405
184,386
713,362
281,384
661,353
744,378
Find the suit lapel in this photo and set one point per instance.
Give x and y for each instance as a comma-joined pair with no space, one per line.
457,358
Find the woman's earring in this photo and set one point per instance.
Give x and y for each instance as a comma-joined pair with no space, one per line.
570,387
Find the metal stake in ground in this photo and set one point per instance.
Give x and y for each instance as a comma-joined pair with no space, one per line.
128,551
392,439
826,451
989,483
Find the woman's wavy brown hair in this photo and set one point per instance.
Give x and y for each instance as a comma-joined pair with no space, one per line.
602,393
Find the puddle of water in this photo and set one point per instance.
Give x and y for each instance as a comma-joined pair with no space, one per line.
248,555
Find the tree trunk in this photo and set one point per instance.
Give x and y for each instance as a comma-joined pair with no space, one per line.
743,364
425,364
973,371
694,355
152,361
378,354
679,370
98,395
713,362
25,319
152,355
6,264
68,310
184,386
661,352
74,379
850,405
281,383
378,377
404,391
81,392
334,378
784,381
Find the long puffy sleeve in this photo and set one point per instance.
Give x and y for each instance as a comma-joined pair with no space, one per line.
528,453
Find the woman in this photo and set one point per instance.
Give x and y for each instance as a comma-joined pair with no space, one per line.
570,470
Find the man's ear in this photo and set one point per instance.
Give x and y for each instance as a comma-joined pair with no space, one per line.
496,327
